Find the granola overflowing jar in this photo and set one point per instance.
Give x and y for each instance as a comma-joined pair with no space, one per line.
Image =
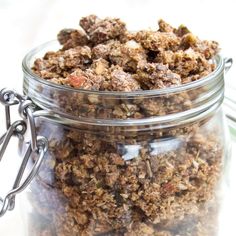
134,163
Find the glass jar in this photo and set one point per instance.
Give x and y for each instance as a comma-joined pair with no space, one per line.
128,163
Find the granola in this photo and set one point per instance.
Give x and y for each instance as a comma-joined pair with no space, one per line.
183,53
111,180
104,56
94,184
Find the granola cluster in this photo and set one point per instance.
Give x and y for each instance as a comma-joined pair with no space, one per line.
103,55
139,180
94,184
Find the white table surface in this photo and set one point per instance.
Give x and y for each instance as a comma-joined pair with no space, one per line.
26,23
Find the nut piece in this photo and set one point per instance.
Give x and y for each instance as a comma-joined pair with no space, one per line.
100,66
84,80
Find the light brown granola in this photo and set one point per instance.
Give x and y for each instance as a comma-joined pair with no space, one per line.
184,54
103,186
107,181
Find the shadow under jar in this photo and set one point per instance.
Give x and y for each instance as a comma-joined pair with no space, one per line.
128,163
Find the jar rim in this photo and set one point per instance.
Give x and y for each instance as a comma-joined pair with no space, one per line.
175,89
43,94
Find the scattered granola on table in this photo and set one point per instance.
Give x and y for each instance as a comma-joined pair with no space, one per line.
158,182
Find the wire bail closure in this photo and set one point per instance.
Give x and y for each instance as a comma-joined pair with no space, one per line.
37,147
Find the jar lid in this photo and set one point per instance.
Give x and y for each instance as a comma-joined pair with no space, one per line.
230,94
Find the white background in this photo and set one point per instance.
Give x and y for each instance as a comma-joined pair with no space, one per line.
26,23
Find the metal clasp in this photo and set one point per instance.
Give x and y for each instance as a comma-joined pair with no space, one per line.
228,63
38,144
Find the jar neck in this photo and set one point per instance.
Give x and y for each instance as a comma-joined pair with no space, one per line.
175,105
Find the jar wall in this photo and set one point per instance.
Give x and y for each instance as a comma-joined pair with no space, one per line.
111,181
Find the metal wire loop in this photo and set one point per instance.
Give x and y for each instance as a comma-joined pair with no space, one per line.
7,97
38,144
26,112
23,107
10,97
8,202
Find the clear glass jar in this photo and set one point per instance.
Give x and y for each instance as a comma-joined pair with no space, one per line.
128,163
